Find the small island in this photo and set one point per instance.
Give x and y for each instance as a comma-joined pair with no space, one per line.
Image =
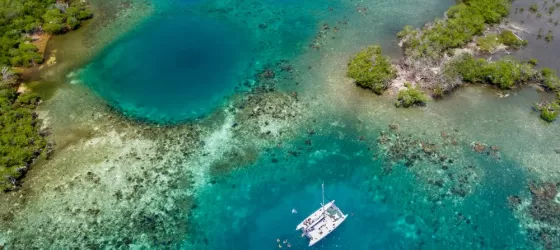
116,146
449,53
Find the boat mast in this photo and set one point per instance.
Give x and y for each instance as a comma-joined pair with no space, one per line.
323,207
323,187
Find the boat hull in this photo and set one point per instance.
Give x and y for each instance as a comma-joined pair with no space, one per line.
321,222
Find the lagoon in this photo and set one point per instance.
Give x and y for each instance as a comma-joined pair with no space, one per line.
168,141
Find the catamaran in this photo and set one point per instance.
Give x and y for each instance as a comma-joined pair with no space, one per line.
322,222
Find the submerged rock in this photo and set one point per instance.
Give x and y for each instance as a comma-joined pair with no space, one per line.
541,217
544,206
483,148
514,201
479,147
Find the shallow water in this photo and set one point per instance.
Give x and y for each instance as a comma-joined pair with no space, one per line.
251,207
223,184
181,63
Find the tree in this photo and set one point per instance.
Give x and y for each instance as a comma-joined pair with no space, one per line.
370,69
55,21
33,16
411,96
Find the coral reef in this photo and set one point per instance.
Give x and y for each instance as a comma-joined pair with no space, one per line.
435,163
540,214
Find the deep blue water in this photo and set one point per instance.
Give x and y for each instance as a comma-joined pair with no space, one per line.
171,69
185,61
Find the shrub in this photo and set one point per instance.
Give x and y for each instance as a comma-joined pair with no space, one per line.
549,112
73,23
491,41
411,96
528,73
488,43
54,28
30,16
20,139
550,80
465,20
549,36
84,14
509,39
55,21
534,8
504,73
370,69
438,92
533,61
468,68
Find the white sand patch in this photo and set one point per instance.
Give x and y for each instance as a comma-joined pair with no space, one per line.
215,145
22,88
514,27
273,127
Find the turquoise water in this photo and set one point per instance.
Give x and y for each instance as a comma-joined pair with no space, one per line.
251,207
171,69
185,61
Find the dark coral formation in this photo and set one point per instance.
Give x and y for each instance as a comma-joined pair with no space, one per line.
543,211
482,148
545,206
399,148
124,217
269,76
426,159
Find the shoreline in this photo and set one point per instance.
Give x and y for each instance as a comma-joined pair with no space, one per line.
91,164
438,59
428,68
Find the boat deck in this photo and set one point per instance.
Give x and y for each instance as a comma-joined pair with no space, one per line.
318,225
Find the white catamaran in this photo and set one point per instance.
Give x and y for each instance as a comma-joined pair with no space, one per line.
322,222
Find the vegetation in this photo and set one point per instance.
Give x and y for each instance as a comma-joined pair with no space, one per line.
19,20
550,80
491,41
411,96
370,69
464,21
488,43
548,111
504,73
511,40
431,47
549,114
533,61
549,36
534,8
21,140
507,73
